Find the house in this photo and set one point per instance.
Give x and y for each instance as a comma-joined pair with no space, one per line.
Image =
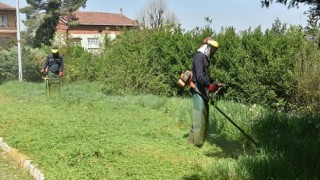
8,25
88,29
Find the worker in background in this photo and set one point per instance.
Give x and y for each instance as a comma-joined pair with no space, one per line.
54,64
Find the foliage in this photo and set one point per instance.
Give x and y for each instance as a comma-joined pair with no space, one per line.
30,64
42,17
9,67
45,32
148,61
307,93
33,60
278,68
7,42
258,67
78,64
314,5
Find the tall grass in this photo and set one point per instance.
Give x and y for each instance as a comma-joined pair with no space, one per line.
86,134
290,144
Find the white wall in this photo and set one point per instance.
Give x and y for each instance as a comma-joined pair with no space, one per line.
59,40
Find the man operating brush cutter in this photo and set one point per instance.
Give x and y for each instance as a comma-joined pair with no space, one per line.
202,88
185,80
53,67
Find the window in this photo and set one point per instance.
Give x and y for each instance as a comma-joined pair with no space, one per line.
93,43
3,20
76,41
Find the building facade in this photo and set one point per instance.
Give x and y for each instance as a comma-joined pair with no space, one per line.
89,29
8,23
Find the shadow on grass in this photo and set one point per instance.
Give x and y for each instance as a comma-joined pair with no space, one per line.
192,177
290,147
229,148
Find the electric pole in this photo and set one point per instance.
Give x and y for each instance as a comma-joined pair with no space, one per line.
19,40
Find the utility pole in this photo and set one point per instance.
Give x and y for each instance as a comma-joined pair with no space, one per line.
19,40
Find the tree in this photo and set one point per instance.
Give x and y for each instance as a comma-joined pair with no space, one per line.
314,4
42,17
278,27
313,29
156,14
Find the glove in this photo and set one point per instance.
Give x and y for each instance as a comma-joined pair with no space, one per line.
213,87
60,74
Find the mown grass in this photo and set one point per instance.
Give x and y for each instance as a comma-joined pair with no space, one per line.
85,134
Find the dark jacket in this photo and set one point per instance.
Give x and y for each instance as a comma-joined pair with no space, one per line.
54,63
201,72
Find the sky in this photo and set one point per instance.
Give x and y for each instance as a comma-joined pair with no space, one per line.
240,14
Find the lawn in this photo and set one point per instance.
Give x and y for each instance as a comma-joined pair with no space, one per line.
85,134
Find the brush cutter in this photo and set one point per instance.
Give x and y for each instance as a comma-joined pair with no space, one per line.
186,80
49,81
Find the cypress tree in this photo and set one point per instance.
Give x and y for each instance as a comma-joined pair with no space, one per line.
42,17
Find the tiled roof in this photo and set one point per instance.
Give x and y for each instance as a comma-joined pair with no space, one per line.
101,18
6,7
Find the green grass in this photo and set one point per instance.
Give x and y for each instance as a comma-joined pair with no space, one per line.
85,134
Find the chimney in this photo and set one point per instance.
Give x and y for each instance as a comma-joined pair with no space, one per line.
121,12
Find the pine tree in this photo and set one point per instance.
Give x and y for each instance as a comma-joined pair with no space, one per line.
313,29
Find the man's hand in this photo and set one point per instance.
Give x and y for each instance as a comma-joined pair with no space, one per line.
43,71
220,84
60,74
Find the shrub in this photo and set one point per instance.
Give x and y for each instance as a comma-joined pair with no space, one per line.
148,61
9,65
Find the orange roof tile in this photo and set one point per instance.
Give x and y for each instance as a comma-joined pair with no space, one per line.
101,18
6,7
